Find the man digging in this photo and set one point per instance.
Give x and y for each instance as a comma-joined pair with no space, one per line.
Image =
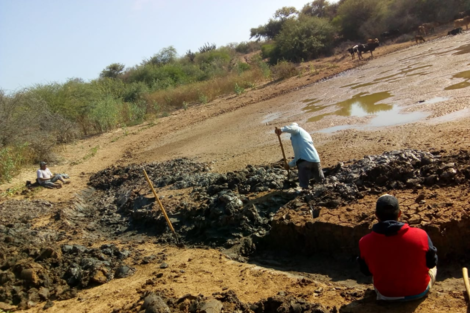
47,179
305,155
401,259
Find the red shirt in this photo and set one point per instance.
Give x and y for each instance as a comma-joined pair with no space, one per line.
397,262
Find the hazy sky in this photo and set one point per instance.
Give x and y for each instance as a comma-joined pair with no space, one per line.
44,41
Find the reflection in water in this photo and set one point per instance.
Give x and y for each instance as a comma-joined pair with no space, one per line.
345,86
464,84
363,85
311,107
462,49
310,100
360,105
384,118
271,117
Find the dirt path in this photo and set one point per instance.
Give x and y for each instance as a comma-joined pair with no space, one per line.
232,132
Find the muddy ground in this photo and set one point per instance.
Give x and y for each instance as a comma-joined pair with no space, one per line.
251,242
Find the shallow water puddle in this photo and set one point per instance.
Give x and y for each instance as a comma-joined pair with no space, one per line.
464,84
311,107
270,117
359,105
364,104
436,100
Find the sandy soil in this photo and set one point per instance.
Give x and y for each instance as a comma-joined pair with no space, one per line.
235,131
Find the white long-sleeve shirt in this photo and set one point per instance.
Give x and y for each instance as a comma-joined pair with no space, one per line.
302,143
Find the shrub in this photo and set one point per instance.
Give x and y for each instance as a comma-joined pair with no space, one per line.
239,90
11,159
268,50
242,67
112,70
247,47
284,69
305,38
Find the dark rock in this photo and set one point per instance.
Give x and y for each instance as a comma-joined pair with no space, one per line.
124,271
155,304
211,306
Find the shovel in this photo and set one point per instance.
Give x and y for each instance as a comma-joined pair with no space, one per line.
163,210
465,280
283,154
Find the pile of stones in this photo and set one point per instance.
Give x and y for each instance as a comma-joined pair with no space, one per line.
151,302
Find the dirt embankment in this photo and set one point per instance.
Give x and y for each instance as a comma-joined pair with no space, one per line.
102,244
241,213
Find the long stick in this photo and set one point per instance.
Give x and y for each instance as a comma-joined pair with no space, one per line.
161,205
283,154
465,280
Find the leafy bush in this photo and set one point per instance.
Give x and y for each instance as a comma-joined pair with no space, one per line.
207,47
248,47
284,69
304,38
239,90
113,70
11,159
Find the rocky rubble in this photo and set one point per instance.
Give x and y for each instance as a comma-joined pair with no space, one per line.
35,266
239,212
235,209
328,209
153,302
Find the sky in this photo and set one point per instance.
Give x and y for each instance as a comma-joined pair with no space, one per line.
46,41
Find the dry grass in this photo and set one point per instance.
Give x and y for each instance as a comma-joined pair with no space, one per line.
203,92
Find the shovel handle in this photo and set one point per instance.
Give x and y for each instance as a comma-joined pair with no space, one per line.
283,153
465,280
159,202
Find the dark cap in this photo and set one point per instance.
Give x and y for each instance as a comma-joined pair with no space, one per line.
387,207
42,163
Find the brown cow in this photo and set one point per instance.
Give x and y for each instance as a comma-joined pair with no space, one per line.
429,27
419,38
422,30
372,40
461,22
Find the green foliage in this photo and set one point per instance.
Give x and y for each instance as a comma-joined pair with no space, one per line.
104,114
267,31
285,12
164,56
239,90
320,8
284,69
268,51
203,98
11,159
304,38
243,67
247,47
207,47
113,70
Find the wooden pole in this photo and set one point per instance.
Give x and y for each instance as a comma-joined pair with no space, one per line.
465,280
160,204
283,154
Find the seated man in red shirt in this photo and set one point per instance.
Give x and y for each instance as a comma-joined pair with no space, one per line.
401,259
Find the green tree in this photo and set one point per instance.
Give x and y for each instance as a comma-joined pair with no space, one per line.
164,56
112,70
285,12
353,14
274,26
304,38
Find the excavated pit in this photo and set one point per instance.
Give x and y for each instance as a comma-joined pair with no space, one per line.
240,213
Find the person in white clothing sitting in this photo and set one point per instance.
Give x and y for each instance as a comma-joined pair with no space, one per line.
47,179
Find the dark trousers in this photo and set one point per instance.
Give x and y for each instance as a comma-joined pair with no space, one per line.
308,170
